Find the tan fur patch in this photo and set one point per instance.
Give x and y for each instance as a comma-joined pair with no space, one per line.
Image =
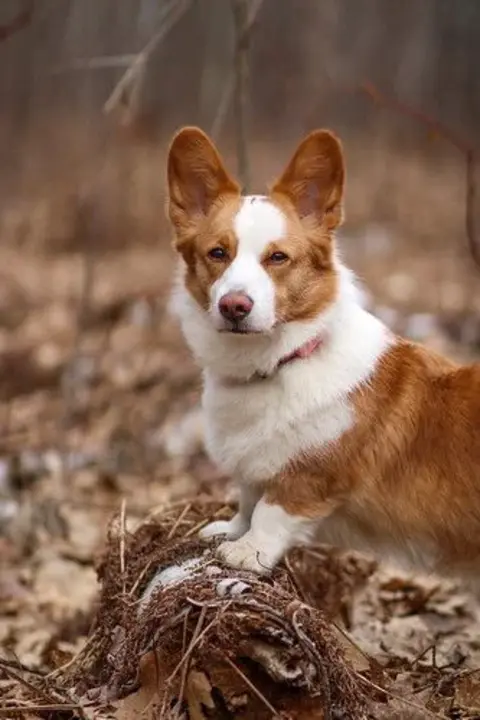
308,283
216,231
409,469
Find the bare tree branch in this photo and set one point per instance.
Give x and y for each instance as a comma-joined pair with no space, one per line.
20,21
470,205
127,89
223,107
96,63
240,15
229,87
442,131
438,128
244,16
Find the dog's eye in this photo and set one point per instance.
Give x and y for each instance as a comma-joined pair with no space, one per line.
277,257
217,253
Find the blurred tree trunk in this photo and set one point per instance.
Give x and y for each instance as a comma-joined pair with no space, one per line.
217,60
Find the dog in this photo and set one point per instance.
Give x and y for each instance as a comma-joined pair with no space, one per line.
334,429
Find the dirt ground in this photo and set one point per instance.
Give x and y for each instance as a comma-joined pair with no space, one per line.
98,399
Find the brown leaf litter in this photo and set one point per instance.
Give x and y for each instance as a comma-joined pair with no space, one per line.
177,635
117,417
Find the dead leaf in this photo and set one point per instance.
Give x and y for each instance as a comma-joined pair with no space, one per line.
198,692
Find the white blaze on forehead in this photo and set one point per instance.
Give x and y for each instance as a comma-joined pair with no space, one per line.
257,223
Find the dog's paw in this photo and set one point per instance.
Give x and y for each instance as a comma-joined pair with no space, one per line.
231,529
242,554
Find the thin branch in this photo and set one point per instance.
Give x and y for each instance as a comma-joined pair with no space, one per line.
304,594
223,107
252,687
40,693
123,510
310,648
183,680
470,218
177,522
244,18
438,129
198,526
17,665
371,662
131,79
63,668
20,21
96,63
399,698
192,645
229,87
253,11
31,687
28,709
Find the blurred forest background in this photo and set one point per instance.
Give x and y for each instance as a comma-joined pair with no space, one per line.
98,395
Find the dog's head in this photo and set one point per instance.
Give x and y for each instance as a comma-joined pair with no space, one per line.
254,262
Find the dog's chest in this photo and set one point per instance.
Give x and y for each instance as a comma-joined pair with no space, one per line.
254,430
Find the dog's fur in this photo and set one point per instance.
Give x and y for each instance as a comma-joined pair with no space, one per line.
367,441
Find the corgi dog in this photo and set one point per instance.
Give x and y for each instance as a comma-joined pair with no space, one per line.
334,429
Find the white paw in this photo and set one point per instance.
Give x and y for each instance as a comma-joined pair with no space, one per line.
244,555
232,529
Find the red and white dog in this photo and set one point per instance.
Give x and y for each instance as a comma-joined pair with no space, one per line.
334,429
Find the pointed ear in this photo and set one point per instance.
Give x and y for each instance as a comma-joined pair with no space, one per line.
196,176
314,179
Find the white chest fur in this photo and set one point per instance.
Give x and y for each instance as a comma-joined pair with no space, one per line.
254,429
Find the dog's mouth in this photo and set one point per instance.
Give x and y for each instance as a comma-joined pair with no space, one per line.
238,330
242,327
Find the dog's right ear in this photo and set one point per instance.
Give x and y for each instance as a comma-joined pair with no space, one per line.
196,177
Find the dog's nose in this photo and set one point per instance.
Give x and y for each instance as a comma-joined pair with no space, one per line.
235,306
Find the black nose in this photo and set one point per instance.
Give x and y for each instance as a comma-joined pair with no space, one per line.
235,306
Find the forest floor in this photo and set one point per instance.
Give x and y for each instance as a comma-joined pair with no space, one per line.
98,398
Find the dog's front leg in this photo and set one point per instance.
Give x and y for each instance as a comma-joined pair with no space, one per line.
240,523
289,514
273,532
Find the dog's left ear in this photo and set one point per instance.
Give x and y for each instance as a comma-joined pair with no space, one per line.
196,177
314,179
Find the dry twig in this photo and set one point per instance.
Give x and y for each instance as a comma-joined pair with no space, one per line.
128,87
194,642
177,522
122,542
102,62
229,87
252,687
399,698
244,19
29,709
20,21
196,633
440,130
23,681
312,651
53,699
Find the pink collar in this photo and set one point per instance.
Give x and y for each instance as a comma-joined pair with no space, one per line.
304,351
